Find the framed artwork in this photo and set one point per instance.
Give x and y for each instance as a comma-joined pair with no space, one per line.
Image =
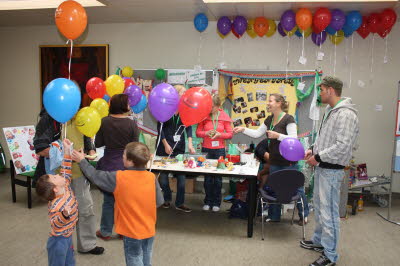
398,120
87,61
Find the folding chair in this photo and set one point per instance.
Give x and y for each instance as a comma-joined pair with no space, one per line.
27,183
285,184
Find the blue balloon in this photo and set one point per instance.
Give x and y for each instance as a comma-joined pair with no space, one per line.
140,106
200,22
330,30
106,97
62,99
353,21
347,31
298,33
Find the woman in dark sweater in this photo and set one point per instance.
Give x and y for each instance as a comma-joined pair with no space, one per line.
116,130
278,126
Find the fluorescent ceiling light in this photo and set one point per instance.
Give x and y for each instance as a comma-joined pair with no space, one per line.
41,4
293,1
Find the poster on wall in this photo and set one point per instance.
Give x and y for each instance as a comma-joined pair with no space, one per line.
20,144
250,98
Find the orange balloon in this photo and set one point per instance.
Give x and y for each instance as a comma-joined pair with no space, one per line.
261,26
304,18
71,19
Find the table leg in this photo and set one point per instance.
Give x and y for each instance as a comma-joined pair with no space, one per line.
252,205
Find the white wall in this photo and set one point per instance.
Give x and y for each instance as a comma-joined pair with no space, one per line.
175,45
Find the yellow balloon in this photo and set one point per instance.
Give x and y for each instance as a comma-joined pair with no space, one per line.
290,33
337,38
127,72
271,28
88,121
250,28
101,106
307,32
221,35
114,85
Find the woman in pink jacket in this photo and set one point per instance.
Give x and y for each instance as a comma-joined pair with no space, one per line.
214,130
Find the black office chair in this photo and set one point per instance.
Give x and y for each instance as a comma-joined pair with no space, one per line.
285,184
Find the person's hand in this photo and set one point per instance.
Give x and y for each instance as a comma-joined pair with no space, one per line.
92,152
266,156
78,156
216,135
311,161
67,211
238,130
210,133
308,154
44,153
67,146
168,149
272,134
191,149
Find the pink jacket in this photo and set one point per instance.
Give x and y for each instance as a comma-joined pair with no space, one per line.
224,127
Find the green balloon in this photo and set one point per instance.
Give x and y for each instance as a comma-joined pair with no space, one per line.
160,74
118,71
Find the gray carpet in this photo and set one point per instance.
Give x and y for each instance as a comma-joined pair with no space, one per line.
200,238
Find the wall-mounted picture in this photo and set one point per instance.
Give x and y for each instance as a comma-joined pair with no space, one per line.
87,61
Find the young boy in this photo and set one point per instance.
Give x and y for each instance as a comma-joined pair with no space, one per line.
137,194
63,211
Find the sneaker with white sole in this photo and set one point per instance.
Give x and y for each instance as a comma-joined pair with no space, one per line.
215,209
308,244
206,207
323,261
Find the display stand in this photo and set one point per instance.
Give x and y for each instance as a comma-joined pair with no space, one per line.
393,166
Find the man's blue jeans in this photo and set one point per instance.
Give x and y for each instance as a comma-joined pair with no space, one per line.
326,205
138,251
180,194
274,211
60,251
213,184
107,214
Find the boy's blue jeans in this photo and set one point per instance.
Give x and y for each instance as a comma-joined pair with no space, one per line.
180,194
60,251
274,211
138,251
107,214
213,184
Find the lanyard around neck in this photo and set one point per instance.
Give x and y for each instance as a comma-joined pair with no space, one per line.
177,121
215,122
271,126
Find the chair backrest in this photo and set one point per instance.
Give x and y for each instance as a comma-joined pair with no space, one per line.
285,184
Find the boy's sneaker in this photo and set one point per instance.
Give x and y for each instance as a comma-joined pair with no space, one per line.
95,251
166,205
323,261
183,208
99,235
308,244
206,207
302,221
215,209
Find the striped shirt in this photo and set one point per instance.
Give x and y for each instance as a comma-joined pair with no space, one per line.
61,225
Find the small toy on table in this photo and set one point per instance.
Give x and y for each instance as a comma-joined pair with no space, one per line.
221,163
191,163
200,161
229,166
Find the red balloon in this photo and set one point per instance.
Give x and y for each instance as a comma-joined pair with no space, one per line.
363,30
194,106
322,18
235,33
95,88
261,26
128,82
388,18
374,22
383,32
71,19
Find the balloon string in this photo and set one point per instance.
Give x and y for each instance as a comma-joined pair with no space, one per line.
65,130
158,143
302,48
334,60
70,57
287,56
176,143
351,59
199,52
223,50
386,48
241,53
372,52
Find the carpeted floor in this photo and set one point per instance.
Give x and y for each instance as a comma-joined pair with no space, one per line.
200,238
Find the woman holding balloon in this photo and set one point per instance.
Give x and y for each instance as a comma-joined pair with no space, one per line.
116,130
278,126
214,130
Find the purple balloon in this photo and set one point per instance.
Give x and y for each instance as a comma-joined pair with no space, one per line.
291,149
240,25
338,19
288,20
280,30
318,38
134,94
163,102
224,25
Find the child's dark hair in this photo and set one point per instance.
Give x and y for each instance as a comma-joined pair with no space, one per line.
119,104
138,153
45,189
